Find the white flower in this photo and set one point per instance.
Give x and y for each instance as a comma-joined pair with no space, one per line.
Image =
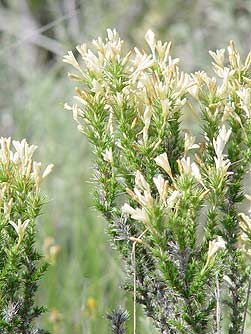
225,74
119,99
194,90
234,56
23,150
150,38
245,100
165,104
20,229
222,164
2,192
189,142
75,112
221,140
162,161
162,186
161,91
137,214
144,198
113,36
147,120
7,208
107,155
70,59
140,181
110,50
96,87
5,152
219,144
141,192
82,49
141,62
248,60
248,197
92,62
218,57
172,200
37,176
190,168
214,246
245,223
163,50
229,111
47,171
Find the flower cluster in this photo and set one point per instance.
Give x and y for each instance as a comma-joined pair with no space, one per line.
20,204
177,198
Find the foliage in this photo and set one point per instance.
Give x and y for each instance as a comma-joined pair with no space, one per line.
155,183
118,317
21,266
30,107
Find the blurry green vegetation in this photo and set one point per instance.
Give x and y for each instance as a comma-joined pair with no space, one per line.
84,284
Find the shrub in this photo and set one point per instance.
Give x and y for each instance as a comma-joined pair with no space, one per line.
172,204
21,266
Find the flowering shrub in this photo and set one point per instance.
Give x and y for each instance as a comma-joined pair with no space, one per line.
20,264
172,203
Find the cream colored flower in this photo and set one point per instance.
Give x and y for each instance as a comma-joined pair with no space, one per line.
161,91
162,186
214,246
163,50
140,181
248,60
108,156
150,38
82,49
190,168
20,229
93,63
245,100
147,120
137,214
2,193
226,75
173,199
5,152
234,56
47,171
37,173
189,142
7,208
165,104
219,144
70,59
24,151
245,223
193,90
162,161
109,50
140,63
218,57
141,192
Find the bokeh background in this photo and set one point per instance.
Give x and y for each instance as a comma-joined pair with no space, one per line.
84,281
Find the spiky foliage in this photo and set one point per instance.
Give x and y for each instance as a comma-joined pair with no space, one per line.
175,199
118,317
21,266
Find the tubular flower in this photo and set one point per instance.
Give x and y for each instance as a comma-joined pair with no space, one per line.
20,229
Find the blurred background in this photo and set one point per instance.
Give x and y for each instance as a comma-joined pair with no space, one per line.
84,281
